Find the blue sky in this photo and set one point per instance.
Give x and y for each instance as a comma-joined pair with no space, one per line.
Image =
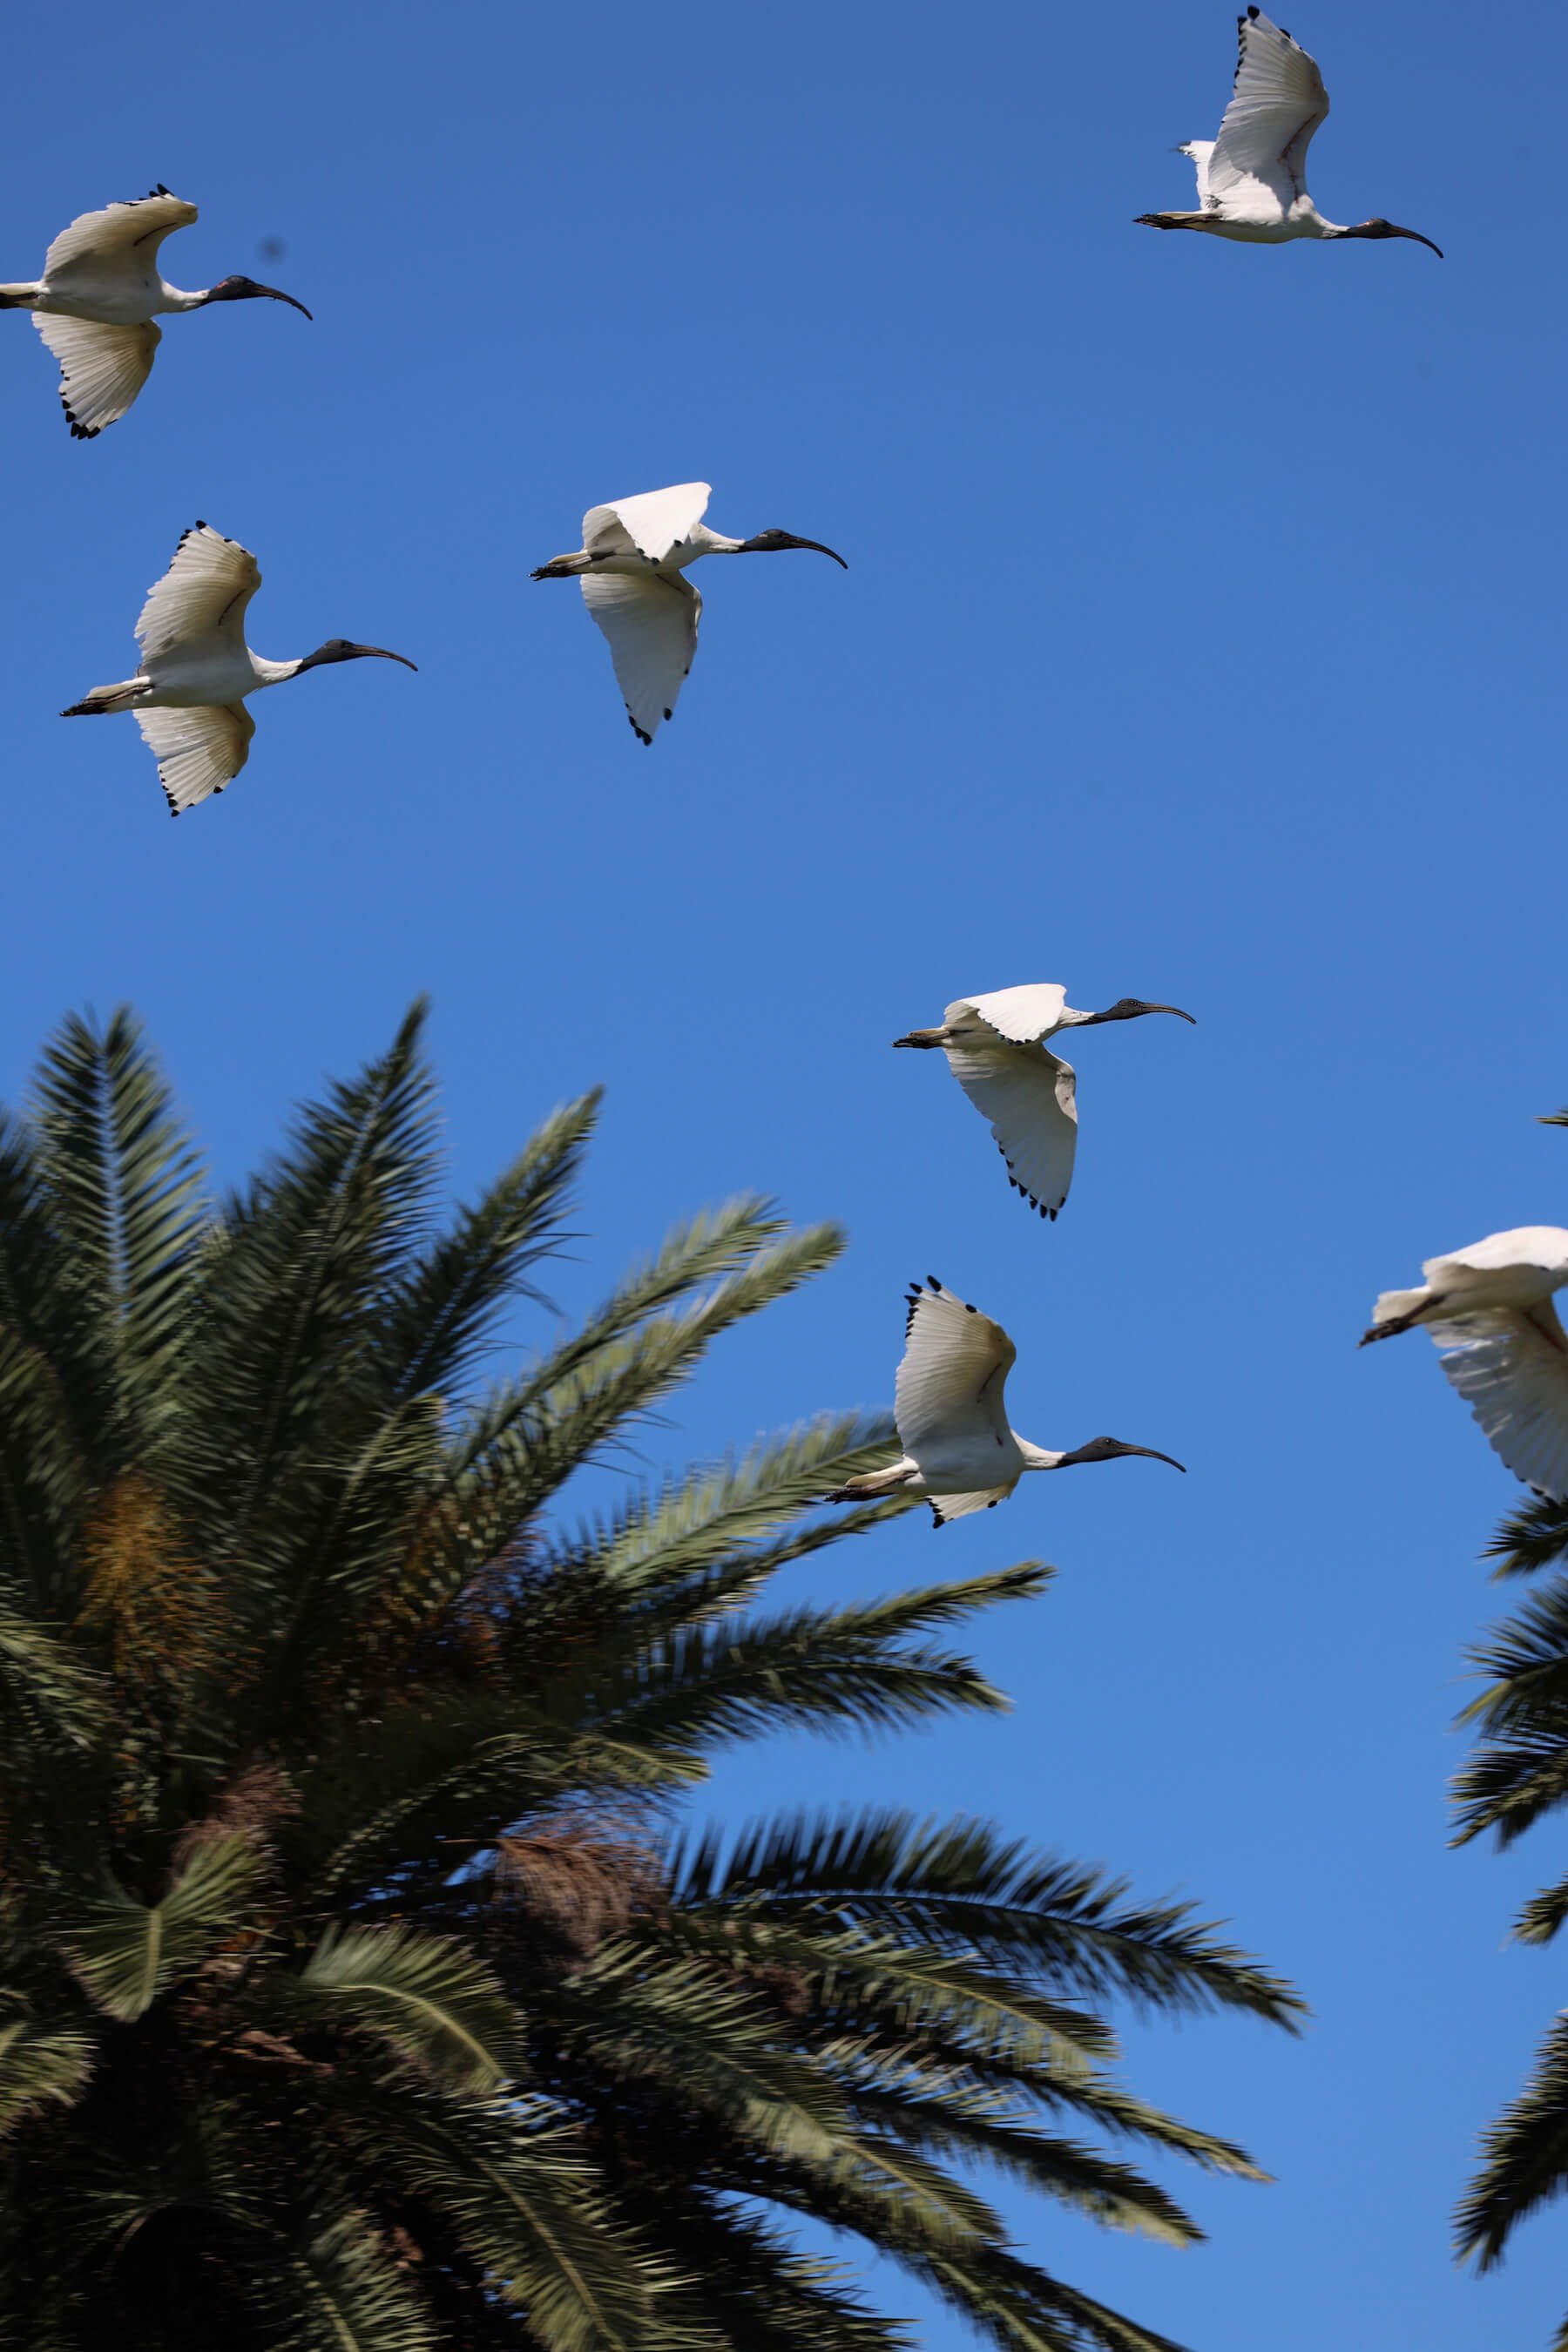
1201,641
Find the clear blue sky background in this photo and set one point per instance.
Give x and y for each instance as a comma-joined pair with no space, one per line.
1201,641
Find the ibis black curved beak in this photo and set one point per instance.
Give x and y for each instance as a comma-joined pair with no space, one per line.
1127,1008
381,654
1381,228
277,294
245,289
770,542
1110,1449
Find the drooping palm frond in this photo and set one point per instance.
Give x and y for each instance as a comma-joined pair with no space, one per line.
124,1953
366,1986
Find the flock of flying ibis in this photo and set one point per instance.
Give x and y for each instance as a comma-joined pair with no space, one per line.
1489,1308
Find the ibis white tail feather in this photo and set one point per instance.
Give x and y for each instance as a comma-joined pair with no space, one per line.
122,697
872,1483
1396,1311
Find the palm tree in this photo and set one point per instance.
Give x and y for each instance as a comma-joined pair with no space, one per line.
365,1986
1517,1775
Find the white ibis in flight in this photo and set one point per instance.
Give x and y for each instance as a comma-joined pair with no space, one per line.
1252,183
100,293
197,670
951,1416
996,1049
1488,1309
632,563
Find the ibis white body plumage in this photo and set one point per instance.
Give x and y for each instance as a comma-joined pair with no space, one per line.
1252,184
100,294
996,1048
189,693
951,1414
631,563
1488,1309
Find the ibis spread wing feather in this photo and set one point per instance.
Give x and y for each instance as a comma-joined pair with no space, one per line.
119,236
948,1396
1541,1246
650,524
958,1506
1259,161
650,619
1022,1015
102,369
1511,1369
203,595
198,750
1029,1096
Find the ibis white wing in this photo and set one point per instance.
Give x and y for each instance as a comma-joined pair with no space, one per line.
958,1506
1022,1015
119,238
198,751
1259,161
650,619
650,524
102,369
1542,1246
948,1397
1512,1371
203,593
1029,1098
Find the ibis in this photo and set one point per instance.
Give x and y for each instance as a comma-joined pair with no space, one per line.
188,696
632,565
1488,1309
951,1416
996,1049
1252,177
100,294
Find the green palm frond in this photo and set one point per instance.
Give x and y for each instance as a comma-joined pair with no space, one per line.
125,1188
1024,2310
40,2065
1526,2156
342,2291
50,1699
425,1998
712,1538
524,2201
1532,1538
653,2019
124,1953
816,1668
1541,1917
1519,1769
960,1883
442,1304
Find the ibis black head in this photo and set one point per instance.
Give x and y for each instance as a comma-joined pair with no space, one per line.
1380,228
770,542
341,649
1110,1449
1127,1008
243,289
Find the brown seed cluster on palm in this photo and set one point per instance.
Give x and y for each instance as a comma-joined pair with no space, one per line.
365,1979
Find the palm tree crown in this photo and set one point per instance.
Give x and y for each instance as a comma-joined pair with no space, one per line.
363,1984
